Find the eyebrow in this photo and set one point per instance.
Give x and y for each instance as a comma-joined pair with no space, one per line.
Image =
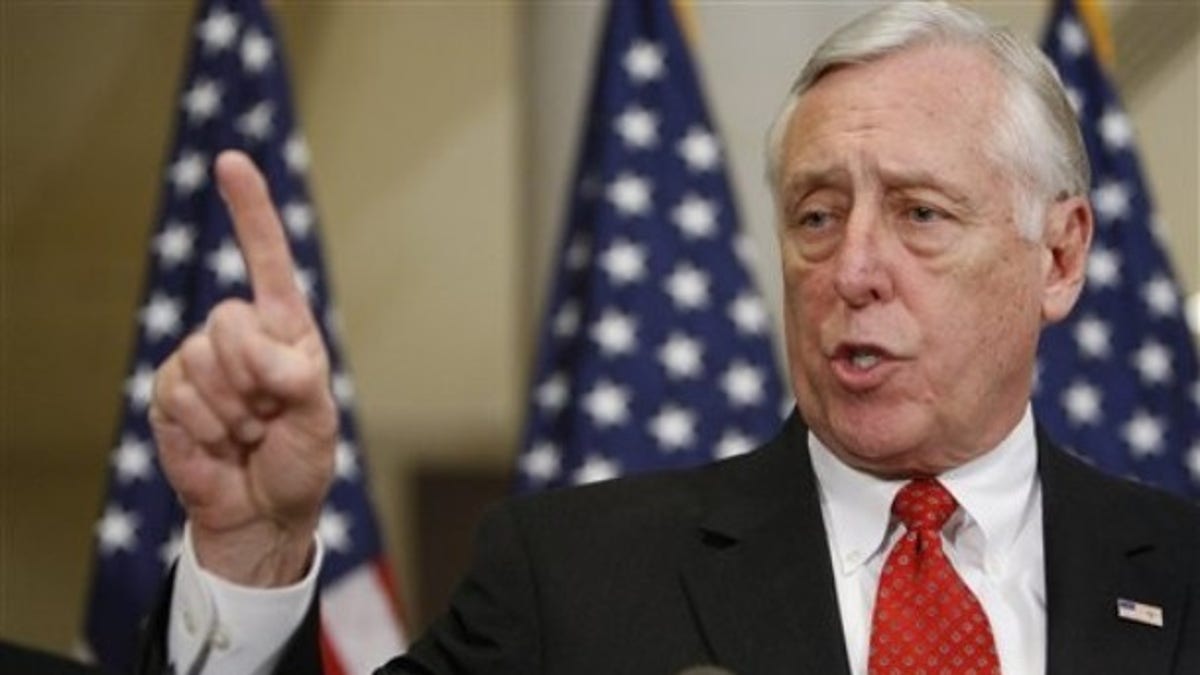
908,178
806,180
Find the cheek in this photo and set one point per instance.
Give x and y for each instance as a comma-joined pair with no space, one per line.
804,294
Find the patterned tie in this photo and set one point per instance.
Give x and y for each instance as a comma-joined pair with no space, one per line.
926,619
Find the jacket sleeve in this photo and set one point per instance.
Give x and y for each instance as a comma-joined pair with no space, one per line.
491,625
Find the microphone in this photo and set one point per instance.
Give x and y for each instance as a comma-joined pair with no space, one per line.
705,670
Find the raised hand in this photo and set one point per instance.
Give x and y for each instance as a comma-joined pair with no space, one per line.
242,414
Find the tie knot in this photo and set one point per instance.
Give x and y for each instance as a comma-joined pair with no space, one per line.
924,504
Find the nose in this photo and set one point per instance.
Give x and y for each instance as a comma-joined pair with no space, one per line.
862,274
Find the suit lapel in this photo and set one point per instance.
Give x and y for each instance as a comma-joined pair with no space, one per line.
760,582
1097,551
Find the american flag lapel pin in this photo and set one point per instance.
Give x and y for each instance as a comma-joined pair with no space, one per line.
1140,612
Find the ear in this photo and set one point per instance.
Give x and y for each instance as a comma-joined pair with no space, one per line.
1066,238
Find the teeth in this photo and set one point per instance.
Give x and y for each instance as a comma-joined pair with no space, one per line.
864,360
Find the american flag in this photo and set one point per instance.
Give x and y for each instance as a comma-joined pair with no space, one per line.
1118,381
234,95
655,350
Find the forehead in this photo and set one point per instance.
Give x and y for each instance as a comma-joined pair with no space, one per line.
937,98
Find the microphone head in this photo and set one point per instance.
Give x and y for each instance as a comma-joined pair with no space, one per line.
705,670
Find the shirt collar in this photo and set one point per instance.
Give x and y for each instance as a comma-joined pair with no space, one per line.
993,491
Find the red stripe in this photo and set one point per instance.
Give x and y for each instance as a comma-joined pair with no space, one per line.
331,664
384,574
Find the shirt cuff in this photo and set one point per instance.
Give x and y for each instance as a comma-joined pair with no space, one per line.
217,626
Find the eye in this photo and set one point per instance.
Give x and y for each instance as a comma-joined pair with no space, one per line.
924,214
814,219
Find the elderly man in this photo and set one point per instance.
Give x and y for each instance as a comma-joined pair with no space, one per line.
931,190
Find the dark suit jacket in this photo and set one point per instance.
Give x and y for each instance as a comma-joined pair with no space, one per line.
729,564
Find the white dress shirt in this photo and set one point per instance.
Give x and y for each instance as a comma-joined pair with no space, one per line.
216,626
994,541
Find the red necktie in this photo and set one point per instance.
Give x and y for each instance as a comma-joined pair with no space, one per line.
926,619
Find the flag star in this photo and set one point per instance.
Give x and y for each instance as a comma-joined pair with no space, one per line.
161,316
1082,403
117,530
189,172
743,384
333,528
552,394
1144,434
202,100
1153,363
132,459
745,249
624,261
1111,200
644,61
1115,129
345,460
630,194
733,443
1093,337
749,314
615,333
1193,461
579,253
169,551
608,404
295,154
695,216
258,122
1075,98
227,264
174,245
674,427
681,356
1160,297
306,282
299,219
637,127
1104,267
343,389
218,30
333,322
566,319
542,463
688,287
1073,37
139,387
257,51
595,469
699,149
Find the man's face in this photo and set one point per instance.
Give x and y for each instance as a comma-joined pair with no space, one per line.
912,302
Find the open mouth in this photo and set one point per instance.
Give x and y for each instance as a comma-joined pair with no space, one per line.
864,359
860,357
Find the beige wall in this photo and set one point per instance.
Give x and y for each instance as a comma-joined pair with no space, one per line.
440,205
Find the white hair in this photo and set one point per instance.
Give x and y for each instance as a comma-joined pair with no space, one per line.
1036,134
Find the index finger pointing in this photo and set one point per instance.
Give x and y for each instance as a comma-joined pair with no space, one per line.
281,304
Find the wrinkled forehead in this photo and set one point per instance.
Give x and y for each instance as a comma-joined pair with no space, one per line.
947,92
921,112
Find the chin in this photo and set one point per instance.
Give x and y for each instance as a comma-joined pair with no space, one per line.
886,442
